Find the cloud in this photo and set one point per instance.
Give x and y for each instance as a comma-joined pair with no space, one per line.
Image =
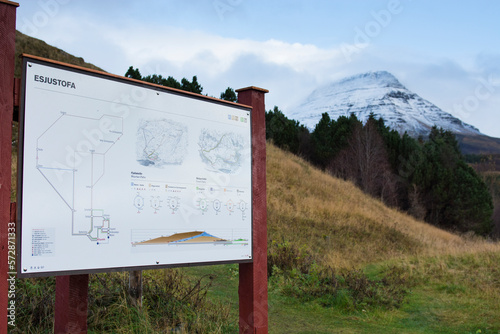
488,64
286,85
215,53
471,94
289,70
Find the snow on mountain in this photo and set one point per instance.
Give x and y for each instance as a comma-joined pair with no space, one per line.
380,93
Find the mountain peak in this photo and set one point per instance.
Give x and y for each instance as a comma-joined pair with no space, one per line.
377,78
380,93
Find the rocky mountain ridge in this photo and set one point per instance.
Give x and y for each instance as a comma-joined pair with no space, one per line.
382,94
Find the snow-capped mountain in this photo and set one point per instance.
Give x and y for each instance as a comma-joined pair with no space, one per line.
382,94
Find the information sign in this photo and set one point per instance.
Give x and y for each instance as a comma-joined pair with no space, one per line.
117,174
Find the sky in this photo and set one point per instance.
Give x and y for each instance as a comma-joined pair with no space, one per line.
448,52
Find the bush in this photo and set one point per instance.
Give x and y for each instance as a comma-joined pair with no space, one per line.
287,257
35,299
171,302
347,290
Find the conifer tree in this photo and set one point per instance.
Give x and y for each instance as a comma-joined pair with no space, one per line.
229,95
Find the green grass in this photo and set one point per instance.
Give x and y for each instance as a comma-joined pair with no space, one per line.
224,288
452,294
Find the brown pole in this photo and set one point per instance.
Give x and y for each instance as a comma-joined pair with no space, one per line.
135,288
253,276
7,54
71,304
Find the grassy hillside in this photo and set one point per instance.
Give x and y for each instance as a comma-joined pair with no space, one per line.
36,47
340,261
333,218
389,273
444,283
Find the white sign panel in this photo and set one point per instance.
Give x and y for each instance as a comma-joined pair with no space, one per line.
117,174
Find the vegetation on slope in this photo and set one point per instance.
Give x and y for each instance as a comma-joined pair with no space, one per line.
356,265
364,267
488,166
339,261
37,47
492,180
427,178
349,228
477,145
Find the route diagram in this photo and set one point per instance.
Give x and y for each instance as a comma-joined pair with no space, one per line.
161,142
71,156
221,152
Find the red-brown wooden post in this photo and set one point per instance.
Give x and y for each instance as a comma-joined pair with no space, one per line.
253,276
71,304
7,54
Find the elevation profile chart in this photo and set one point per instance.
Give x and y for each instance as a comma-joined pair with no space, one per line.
117,174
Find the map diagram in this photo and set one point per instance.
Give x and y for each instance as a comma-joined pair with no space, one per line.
74,162
161,142
221,151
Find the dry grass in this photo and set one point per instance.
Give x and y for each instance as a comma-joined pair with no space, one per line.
347,228
37,47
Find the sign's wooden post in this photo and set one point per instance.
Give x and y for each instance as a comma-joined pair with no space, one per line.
135,288
7,54
253,276
71,304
